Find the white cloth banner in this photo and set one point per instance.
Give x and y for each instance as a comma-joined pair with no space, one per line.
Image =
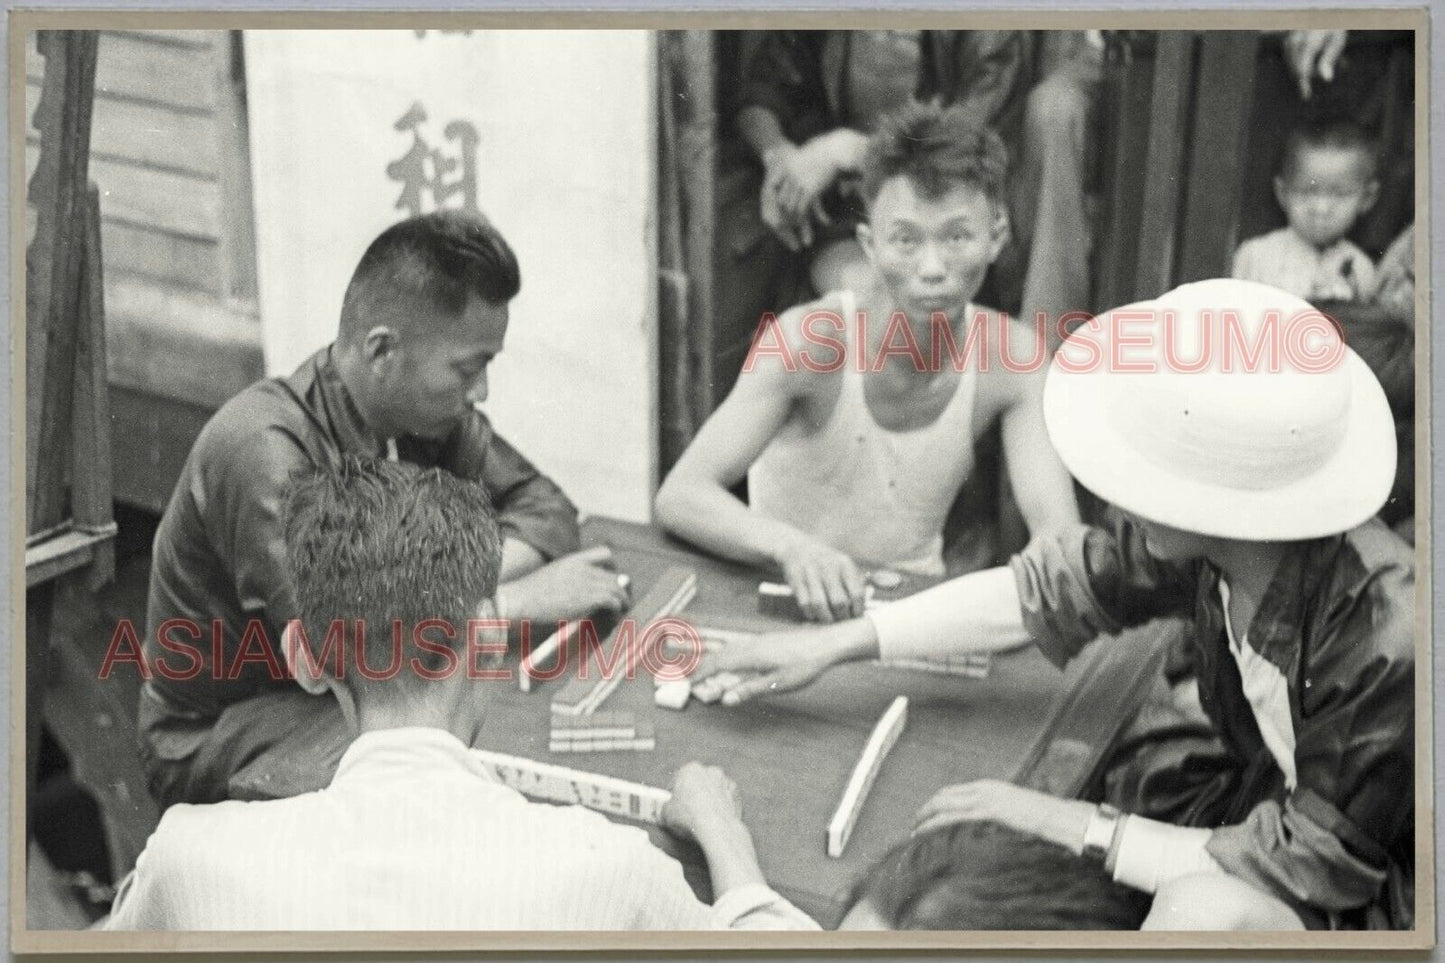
550,134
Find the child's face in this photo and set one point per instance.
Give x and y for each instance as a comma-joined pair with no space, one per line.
1325,191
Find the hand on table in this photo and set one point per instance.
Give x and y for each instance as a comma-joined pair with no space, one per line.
1060,821
569,587
827,583
777,662
702,796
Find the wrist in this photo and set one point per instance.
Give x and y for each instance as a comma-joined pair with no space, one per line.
852,641
844,149
714,829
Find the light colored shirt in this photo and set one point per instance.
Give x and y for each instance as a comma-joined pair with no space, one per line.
414,834
1151,853
878,495
1267,692
1287,261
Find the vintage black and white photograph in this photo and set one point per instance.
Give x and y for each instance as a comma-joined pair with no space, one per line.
487,483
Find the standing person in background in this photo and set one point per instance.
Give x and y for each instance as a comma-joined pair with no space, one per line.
810,99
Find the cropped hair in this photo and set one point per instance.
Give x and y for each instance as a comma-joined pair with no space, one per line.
983,876
937,149
1338,133
435,261
375,542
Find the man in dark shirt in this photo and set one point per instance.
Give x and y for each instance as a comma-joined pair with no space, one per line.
424,314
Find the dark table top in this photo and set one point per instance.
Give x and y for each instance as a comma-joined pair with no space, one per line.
790,755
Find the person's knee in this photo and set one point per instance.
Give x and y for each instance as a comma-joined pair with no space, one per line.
1215,901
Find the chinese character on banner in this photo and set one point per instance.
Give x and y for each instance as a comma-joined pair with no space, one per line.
427,170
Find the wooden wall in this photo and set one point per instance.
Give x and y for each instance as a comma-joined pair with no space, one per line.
170,154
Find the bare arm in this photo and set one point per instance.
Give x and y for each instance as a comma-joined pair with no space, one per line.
978,612
519,558
1041,483
694,501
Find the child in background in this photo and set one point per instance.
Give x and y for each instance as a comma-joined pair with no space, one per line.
1327,183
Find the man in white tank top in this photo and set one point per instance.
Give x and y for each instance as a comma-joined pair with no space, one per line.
855,416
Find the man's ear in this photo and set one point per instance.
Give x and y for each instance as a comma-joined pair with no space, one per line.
291,641
1000,233
379,345
1280,192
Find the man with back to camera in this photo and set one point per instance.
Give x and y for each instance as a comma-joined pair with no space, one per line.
413,832
424,314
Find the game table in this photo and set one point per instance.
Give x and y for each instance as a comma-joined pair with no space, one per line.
791,755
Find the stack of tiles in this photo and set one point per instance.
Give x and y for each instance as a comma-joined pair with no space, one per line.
973,666
881,742
669,596
600,732
558,784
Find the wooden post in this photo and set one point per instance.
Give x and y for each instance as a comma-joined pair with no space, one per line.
90,486
1225,93
1129,80
1173,84
53,296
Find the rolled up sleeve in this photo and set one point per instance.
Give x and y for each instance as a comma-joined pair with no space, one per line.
1084,582
530,506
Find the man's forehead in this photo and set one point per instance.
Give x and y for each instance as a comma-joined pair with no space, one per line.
480,328
900,197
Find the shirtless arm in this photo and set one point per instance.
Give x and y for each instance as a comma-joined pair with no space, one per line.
694,501
1041,483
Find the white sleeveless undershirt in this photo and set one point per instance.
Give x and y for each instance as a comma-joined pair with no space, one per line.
881,496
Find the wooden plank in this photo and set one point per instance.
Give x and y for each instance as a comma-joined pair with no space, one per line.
238,237
1225,82
180,345
170,260
90,493
143,197
1164,160
132,67
59,192
158,433
53,557
1128,86
156,136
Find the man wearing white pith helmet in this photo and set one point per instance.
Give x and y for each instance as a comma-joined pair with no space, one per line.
1249,478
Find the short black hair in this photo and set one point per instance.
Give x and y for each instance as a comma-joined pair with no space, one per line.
983,876
436,260
384,541
1333,133
936,148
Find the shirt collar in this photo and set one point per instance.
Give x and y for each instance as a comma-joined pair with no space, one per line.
1278,624
350,428
407,748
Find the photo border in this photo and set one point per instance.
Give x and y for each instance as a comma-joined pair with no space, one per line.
52,941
